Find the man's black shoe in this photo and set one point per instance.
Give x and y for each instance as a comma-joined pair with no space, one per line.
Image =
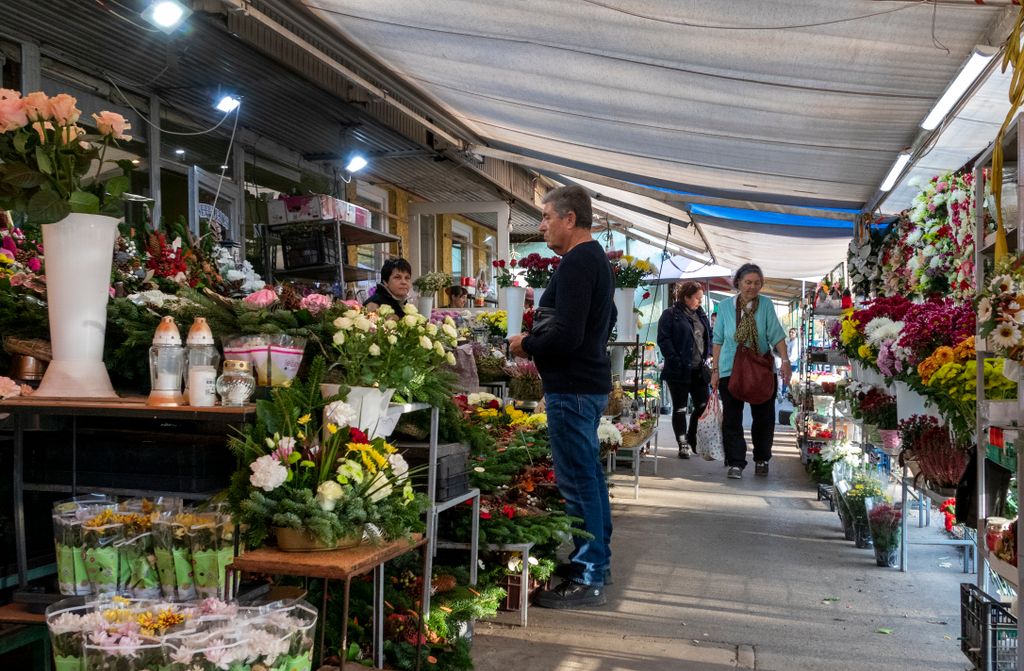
567,571
571,595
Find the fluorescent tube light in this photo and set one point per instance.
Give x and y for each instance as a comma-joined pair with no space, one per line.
894,171
968,74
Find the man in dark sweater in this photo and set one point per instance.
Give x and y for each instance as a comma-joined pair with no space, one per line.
572,358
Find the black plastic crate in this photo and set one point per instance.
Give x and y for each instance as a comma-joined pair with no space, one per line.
452,467
309,247
988,632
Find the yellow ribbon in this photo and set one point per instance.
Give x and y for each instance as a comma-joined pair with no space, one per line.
1013,56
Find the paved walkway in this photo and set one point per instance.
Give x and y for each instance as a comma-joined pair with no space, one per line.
715,574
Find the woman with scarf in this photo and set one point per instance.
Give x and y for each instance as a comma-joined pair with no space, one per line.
684,336
393,288
747,319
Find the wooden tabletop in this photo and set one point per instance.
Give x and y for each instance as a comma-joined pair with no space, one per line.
332,564
20,613
127,406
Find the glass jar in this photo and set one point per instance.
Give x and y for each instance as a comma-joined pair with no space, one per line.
236,384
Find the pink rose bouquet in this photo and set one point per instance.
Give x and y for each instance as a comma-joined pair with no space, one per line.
47,158
316,303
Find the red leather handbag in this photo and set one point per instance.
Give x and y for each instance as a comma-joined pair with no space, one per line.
753,374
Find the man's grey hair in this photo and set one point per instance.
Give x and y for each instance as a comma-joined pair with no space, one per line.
572,198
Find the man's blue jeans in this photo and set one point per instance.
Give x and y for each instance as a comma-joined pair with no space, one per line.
572,429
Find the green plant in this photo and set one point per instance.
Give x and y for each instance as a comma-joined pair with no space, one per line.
46,158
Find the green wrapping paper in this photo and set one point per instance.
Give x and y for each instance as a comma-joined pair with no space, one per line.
68,663
165,567
183,573
71,572
224,558
101,567
138,574
298,663
206,569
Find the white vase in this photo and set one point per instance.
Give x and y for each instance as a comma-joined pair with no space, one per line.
537,293
625,322
515,301
425,305
78,252
909,403
372,405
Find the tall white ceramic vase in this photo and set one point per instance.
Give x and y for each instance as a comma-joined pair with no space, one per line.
625,323
515,302
537,293
425,305
78,252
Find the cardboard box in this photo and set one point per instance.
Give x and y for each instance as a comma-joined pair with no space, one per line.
291,209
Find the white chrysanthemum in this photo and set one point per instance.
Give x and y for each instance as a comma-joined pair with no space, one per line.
450,331
438,348
1001,284
984,309
608,434
267,473
1006,335
65,623
340,413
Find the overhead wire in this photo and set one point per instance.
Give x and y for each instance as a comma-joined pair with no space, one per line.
103,4
157,126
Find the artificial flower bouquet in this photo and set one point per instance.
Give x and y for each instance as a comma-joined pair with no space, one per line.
404,352
210,635
539,269
524,380
1000,309
941,242
628,271
307,468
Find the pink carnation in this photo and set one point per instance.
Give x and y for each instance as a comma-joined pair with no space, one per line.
316,303
262,298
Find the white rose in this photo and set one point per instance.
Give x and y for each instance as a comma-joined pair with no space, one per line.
340,413
392,338
374,350
439,348
385,311
344,323
351,314
388,325
328,494
410,309
450,331
432,329
339,338
473,398
450,358
363,324
409,320
267,473
448,321
426,343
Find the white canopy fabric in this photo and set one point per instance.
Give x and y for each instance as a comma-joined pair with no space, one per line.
680,269
798,101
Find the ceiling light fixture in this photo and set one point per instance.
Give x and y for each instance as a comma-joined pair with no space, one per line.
895,171
228,104
969,73
179,152
356,162
166,15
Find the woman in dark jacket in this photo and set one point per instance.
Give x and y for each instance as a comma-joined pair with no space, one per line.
684,336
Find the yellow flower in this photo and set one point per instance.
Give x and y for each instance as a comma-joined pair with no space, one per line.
332,428
305,419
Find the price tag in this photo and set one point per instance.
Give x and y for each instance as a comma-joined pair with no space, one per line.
996,438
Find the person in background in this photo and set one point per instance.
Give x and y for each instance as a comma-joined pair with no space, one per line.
572,357
393,288
458,297
684,336
750,319
793,347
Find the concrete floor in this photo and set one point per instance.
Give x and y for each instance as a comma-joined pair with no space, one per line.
717,574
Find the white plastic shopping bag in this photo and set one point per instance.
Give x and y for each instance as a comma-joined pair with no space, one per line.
709,430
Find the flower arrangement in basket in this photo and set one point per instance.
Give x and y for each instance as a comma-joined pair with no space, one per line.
628,271
609,436
403,352
505,274
636,432
307,468
431,283
524,383
539,269
45,157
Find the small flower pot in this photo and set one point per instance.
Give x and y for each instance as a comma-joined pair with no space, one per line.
887,557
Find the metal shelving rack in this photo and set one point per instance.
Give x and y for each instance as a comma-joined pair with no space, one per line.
1013,147
344,233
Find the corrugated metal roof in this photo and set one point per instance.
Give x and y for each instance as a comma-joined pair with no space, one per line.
281,103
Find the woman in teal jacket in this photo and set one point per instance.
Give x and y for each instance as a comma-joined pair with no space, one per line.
754,320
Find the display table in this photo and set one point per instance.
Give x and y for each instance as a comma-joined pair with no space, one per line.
335,565
924,498
34,414
648,447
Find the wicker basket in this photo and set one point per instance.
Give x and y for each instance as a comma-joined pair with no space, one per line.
525,389
633,439
40,349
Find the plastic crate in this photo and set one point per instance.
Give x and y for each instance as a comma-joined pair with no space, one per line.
988,632
309,248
